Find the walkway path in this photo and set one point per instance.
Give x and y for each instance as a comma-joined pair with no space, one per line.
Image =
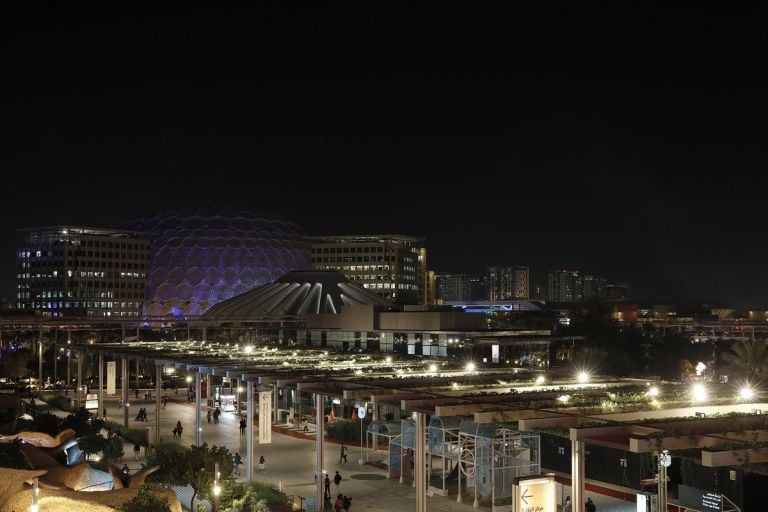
290,459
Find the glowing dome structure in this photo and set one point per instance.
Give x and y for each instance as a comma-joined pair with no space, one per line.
202,257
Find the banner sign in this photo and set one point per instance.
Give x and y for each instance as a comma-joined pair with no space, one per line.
111,377
265,417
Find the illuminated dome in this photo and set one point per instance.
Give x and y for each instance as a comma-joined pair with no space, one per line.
297,293
202,257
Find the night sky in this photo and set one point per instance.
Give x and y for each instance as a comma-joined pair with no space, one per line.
628,143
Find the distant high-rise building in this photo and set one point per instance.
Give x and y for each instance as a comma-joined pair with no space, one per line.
431,287
593,286
452,287
564,286
69,271
507,283
618,291
392,266
478,288
539,291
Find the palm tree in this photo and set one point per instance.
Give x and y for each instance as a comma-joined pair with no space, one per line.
748,358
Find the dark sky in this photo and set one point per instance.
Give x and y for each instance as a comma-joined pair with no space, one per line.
630,143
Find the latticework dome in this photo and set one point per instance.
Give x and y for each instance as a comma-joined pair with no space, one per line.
202,257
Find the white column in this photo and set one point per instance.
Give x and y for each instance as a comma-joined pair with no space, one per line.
249,431
100,412
577,473
158,388
80,355
40,361
319,448
198,382
420,463
124,390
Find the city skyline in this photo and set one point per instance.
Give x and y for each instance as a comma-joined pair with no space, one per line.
626,144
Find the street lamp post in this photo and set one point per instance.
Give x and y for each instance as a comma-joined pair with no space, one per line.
361,415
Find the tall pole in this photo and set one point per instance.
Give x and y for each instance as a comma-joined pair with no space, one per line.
158,387
198,389
319,434
249,431
69,358
100,412
55,356
124,389
664,461
577,473
420,466
80,355
40,360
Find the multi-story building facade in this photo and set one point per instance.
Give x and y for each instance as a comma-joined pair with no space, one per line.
564,286
71,271
452,287
593,286
392,266
618,291
478,288
505,283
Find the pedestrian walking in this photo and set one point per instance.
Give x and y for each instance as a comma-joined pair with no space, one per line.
337,480
590,506
262,463
327,485
567,507
238,461
208,415
136,450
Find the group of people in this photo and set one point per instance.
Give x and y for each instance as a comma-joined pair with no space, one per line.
589,505
342,502
142,416
177,430
216,413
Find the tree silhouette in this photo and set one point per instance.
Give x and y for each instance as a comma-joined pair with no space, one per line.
748,358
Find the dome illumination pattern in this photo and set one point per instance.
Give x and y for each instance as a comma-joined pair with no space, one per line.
202,257
297,293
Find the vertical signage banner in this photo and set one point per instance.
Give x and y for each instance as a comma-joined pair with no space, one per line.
111,377
265,417
535,494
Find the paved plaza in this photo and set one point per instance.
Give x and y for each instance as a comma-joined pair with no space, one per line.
290,460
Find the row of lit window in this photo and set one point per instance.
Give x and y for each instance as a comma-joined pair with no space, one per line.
370,277
400,286
349,259
364,268
84,304
345,250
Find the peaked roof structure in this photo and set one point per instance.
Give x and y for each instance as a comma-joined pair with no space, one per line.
297,293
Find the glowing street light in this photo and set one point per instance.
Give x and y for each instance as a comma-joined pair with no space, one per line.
432,368
699,392
746,393
470,367
583,377
216,486
540,380
653,392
